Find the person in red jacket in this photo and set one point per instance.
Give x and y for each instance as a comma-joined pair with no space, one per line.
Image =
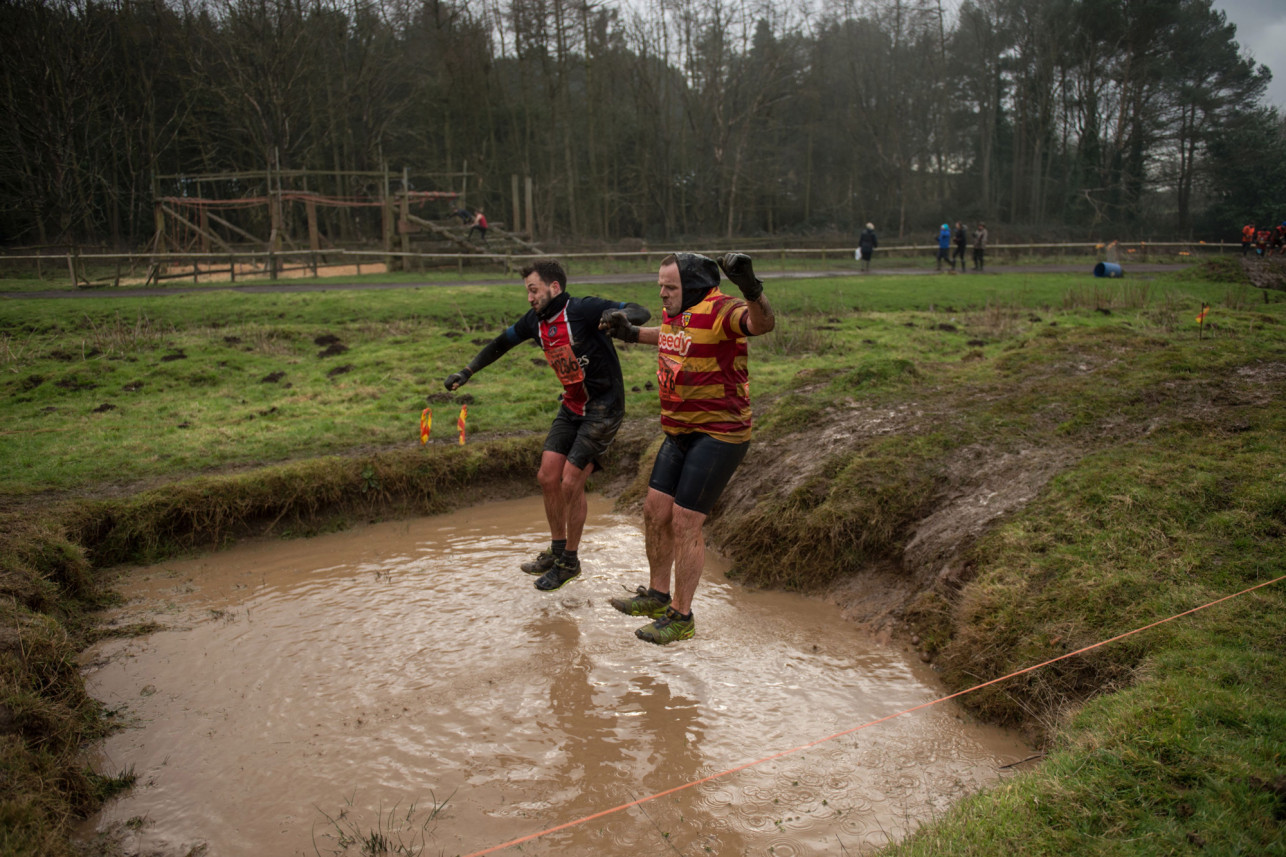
1279,239
480,224
1247,238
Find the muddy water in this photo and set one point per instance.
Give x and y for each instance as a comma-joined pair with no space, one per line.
308,695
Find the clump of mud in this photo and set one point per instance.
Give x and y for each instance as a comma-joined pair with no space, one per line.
1266,272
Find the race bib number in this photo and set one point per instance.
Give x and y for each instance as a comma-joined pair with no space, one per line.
565,364
667,374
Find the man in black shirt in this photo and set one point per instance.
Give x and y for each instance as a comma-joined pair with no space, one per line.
593,403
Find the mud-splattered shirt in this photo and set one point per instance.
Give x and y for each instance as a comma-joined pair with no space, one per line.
702,369
581,355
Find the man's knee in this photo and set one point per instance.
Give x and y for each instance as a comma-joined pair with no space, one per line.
687,521
573,478
550,473
658,508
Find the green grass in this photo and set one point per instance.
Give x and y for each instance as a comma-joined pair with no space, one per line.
1167,492
120,389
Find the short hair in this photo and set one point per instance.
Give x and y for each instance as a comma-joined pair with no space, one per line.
549,271
671,259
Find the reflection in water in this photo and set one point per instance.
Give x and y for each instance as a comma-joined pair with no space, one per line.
309,691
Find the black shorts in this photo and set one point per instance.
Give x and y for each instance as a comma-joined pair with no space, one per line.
695,468
584,439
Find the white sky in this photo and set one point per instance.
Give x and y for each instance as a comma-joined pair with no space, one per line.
1261,32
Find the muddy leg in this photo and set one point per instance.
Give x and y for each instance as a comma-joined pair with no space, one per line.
658,530
689,556
575,506
550,477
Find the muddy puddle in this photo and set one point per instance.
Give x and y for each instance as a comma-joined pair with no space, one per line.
403,684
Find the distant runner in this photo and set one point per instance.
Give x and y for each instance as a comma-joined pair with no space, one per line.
593,403
705,413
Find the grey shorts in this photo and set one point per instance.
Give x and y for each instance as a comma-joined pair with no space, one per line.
584,439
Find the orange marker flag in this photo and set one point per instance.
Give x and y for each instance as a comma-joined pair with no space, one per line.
426,423
464,412
1205,308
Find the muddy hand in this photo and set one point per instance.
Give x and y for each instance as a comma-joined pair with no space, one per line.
617,324
738,268
456,380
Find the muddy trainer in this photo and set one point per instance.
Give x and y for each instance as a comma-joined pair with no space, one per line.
593,402
703,372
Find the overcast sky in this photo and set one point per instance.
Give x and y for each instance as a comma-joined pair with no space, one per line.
1261,32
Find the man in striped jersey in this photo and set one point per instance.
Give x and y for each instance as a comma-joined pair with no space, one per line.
705,413
593,403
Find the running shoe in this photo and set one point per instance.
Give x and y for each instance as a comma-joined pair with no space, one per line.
557,575
668,628
543,562
642,603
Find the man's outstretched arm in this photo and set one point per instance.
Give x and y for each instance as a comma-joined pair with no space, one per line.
490,353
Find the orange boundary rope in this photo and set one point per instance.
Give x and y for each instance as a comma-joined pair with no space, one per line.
811,744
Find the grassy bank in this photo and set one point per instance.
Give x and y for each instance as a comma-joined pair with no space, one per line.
1137,470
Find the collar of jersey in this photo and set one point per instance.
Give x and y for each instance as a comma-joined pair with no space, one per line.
553,308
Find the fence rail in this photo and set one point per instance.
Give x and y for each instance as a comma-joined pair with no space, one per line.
105,268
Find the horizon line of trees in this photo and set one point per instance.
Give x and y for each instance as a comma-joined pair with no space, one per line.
690,118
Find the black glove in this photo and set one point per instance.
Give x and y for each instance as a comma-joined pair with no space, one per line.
617,324
737,267
458,379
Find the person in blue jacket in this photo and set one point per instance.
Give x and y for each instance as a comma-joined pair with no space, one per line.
592,404
944,247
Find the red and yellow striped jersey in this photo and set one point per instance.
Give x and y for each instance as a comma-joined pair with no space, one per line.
702,370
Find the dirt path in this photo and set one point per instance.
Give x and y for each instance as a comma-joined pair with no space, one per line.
592,279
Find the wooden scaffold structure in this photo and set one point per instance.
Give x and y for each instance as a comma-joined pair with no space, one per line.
228,213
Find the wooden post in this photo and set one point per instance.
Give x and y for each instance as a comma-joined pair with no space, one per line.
158,216
204,222
314,236
404,225
515,224
314,239
274,220
531,226
388,222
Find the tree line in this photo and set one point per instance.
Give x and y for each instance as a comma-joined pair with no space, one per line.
683,119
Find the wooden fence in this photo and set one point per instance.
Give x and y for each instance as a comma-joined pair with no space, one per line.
97,269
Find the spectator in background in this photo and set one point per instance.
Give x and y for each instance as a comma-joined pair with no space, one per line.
944,247
979,246
1247,238
962,238
866,244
